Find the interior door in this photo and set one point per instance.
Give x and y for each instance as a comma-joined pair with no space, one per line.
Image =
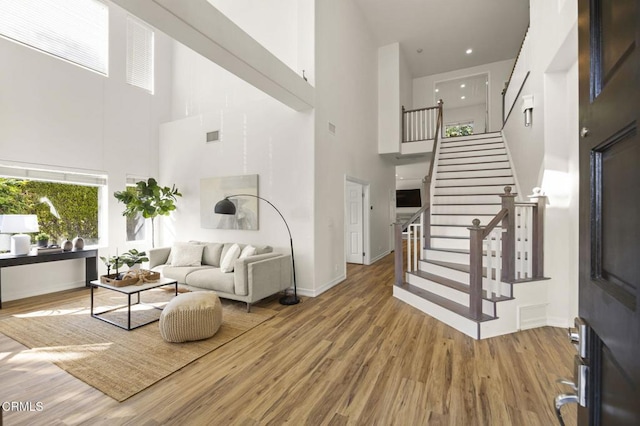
355,223
609,48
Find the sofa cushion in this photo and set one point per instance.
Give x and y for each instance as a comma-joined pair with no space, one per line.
212,254
247,251
226,265
212,279
264,249
179,273
186,254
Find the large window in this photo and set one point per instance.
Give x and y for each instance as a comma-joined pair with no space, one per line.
74,30
67,204
140,45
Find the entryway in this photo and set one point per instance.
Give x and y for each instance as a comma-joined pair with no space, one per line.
356,220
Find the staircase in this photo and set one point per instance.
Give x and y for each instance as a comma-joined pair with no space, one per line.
471,174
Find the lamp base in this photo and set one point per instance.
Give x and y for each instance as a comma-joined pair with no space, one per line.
289,300
20,244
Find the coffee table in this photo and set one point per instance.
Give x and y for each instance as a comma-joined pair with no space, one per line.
129,291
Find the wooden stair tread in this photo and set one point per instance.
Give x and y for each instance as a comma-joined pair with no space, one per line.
444,302
456,285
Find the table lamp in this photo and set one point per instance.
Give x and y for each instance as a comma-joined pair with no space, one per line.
18,224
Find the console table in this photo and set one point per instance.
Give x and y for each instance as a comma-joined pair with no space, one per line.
90,256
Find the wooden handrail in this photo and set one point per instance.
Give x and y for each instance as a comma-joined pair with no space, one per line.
494,222
418,109
506,86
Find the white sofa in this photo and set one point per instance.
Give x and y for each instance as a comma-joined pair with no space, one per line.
197,266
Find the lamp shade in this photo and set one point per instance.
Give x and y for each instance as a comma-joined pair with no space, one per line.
225,207
18,223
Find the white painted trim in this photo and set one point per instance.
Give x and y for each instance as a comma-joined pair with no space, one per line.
559,322
319,291
366,217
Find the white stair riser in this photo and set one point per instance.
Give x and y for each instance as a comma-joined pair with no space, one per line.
474,174
467,199
449,231
471,190
474,166
464,325
460,220
483,159
460,276
444,291
471,138
476,181
447,256
450,243
482,152
464,208
479,146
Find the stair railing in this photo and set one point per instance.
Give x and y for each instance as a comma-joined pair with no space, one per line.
422,123
506,254
418,233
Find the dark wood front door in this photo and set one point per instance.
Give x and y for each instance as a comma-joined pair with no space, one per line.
609,49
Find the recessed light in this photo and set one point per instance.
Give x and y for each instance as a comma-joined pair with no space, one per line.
462,86
437,90
463,97
419,50
469,51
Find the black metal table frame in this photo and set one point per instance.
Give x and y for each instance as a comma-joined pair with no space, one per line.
128,305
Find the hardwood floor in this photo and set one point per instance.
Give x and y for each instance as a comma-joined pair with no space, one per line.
354,355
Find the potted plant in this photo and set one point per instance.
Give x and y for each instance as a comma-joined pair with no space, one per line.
133,257
42,239
150,200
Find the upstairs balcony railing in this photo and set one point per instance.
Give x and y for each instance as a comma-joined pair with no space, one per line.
422,123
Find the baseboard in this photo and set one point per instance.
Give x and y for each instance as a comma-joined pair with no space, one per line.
327,286
380,256
559,322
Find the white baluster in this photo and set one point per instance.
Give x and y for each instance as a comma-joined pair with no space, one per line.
529,235
488,263
409,248
497,235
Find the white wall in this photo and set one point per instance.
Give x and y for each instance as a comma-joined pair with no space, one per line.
424,88
389,104
346,95
258,135
284,27
54,113
546,154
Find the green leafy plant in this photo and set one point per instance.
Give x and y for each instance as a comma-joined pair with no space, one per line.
43,236
150,200
133,256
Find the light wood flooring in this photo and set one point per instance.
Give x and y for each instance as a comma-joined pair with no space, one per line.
352,356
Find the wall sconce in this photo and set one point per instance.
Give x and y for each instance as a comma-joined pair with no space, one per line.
527,109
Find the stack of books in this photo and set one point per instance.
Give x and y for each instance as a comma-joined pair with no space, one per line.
49,249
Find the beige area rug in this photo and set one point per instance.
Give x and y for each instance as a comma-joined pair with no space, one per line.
117,362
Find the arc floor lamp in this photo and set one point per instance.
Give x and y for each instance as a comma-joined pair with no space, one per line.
227,207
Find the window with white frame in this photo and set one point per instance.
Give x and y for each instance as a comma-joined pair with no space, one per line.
74,30
140,49
136,225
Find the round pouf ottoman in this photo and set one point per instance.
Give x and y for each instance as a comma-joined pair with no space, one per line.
191,316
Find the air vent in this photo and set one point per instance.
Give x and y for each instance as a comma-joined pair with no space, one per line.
213,136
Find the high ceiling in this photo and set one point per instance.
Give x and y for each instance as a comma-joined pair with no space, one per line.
445,29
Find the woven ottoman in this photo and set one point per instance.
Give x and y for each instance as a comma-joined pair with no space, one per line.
191,316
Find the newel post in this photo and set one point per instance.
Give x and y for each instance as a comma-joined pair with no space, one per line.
537,261
475,269
398,255
508,236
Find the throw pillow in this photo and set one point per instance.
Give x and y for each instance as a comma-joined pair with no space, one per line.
186,254
229,258
247,251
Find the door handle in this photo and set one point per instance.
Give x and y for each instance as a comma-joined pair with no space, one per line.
562,400
569,383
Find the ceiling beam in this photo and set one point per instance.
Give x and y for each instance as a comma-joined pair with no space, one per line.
203,28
